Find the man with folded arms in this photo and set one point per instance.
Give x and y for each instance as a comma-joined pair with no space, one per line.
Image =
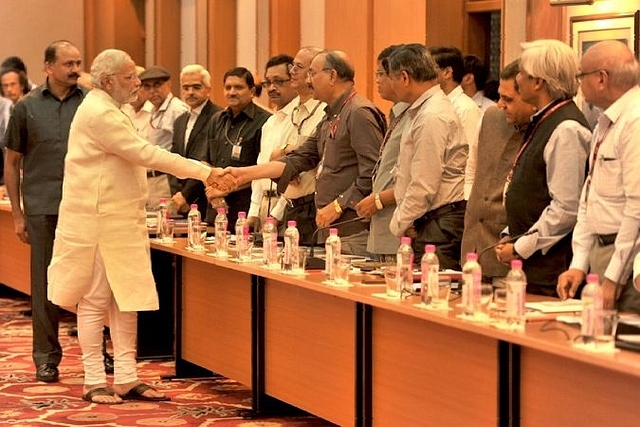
605,239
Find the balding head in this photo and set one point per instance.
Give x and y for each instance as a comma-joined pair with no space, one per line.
617,59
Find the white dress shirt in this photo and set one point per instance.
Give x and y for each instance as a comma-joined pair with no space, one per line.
610,203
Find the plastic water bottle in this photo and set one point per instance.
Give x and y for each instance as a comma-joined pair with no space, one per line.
332,249
270,244
291,245
516,295
404,263
472,282
242,241
193,223
591,301
221,224
161,217
429,279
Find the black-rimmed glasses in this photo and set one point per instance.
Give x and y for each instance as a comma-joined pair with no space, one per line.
582,75
275,82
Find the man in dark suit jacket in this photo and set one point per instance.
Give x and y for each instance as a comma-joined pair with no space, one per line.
190,134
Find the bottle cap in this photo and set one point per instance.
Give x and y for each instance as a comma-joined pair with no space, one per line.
291,223
162,201
593,278
430,249
221,210
194,206
516,264
242,214
472,256
405,240
333,232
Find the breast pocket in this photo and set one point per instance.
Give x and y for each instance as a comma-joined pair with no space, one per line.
608,177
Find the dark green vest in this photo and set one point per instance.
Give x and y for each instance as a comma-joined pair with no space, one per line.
528,196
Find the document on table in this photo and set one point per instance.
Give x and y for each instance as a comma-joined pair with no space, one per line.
566,306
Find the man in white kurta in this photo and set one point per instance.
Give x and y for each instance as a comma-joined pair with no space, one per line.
101,257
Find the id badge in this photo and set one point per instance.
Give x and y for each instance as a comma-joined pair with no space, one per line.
235,152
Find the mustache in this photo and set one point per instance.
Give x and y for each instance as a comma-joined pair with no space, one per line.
74,75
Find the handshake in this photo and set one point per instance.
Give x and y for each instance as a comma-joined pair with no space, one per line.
224,180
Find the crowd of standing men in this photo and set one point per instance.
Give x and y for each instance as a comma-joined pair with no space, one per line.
524,177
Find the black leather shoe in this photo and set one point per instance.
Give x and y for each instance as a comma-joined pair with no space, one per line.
47,372
108,363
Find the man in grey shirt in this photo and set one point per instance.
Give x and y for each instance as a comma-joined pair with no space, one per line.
36,141
429,186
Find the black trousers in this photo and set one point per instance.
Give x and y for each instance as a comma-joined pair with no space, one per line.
442,228
304,214
45,314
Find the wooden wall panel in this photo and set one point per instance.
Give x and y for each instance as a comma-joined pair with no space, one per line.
545,21
285,27
221,44
445,23
114,24
349,27
391,26
167,40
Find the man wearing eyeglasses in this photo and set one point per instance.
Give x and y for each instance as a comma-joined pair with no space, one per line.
605,239
233,139
303,114
190,134
156,81
543,185
344,148
277,128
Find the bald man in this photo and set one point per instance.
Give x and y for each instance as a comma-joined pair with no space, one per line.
605,238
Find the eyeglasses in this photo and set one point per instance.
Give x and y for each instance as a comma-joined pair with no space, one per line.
275,82
581,76
295,67
312,73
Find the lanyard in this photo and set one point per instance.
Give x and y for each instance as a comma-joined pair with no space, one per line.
528,138
387,136
298,126
594,158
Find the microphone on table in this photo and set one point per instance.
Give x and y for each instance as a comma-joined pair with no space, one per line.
315,263
509,240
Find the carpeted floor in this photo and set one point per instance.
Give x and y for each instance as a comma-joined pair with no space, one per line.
25,402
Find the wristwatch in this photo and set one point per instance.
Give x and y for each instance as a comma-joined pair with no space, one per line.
337,207
283,148
378,202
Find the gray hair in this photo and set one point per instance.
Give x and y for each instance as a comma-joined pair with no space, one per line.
197,69
416,60
555,63
107,63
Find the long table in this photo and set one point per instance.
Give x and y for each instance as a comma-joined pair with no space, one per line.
356,359
15,261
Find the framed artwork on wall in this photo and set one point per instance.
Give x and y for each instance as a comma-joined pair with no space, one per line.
590,29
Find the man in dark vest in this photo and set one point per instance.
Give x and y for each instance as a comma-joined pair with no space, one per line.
543,187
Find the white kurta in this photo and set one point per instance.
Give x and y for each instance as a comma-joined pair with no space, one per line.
103,206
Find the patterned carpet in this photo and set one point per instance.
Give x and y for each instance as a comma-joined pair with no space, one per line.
24,402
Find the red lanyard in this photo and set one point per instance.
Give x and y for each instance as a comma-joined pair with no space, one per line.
531,134
334,123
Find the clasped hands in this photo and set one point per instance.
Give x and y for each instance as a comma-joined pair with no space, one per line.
221,182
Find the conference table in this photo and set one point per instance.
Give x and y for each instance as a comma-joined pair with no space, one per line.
352,357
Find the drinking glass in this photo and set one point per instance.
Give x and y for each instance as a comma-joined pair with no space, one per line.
500,303
486,295
440,298
343,267
606,325
392,282
222,244
168,231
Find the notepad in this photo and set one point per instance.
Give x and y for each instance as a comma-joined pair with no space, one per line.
569,305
